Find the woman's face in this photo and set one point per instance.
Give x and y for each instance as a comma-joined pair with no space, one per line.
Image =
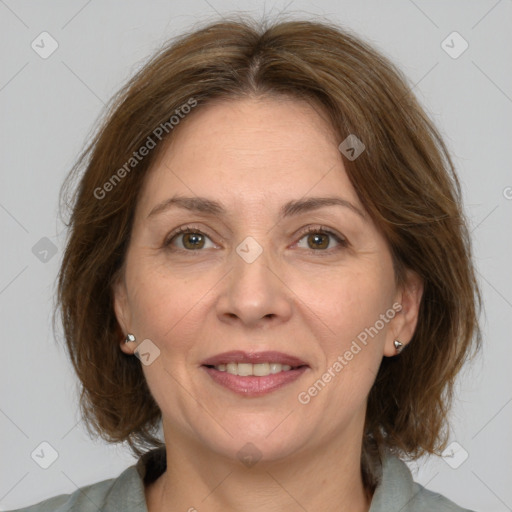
265,276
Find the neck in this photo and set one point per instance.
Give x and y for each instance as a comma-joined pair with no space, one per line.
326,478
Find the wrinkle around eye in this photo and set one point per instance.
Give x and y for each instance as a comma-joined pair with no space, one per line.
321,230
187,230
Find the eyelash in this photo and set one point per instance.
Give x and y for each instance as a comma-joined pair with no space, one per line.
179,231
343,244
320,230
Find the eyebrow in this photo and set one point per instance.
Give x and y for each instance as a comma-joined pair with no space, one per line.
291,208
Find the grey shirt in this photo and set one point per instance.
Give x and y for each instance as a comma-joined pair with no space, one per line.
396,492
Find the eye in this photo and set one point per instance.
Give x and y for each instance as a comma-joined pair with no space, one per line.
189,239
320,239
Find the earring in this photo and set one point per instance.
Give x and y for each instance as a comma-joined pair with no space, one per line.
398,346
129,338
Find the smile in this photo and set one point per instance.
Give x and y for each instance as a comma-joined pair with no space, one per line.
254,374
258,370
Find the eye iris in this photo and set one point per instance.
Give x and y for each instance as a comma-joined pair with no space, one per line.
318,241
195,240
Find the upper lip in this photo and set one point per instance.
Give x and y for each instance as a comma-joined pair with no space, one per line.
239,356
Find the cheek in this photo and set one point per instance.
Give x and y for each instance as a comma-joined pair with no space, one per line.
161,301
348,303
168,310
171,309
352,308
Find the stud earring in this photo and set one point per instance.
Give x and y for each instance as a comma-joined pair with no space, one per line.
129,338
398,346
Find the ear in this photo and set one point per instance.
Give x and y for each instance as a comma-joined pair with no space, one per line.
404,323
122,311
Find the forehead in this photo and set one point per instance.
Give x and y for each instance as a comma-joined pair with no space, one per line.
250,151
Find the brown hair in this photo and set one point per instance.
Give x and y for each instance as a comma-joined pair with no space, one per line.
405,180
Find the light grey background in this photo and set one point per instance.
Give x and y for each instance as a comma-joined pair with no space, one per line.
48,109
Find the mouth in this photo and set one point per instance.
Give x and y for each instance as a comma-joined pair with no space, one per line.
254,374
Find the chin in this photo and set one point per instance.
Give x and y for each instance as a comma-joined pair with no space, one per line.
264,438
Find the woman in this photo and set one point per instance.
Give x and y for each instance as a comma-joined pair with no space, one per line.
270,223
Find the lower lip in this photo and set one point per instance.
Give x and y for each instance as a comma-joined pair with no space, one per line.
252,385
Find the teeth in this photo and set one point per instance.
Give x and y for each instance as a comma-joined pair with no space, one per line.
275,367
232,368
261,369
248,369
244,369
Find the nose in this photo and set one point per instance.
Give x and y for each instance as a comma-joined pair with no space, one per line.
255,294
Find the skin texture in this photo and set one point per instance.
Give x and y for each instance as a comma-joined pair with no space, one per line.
253,155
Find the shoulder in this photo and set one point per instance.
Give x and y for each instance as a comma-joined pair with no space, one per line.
398,491
126,492
426,500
